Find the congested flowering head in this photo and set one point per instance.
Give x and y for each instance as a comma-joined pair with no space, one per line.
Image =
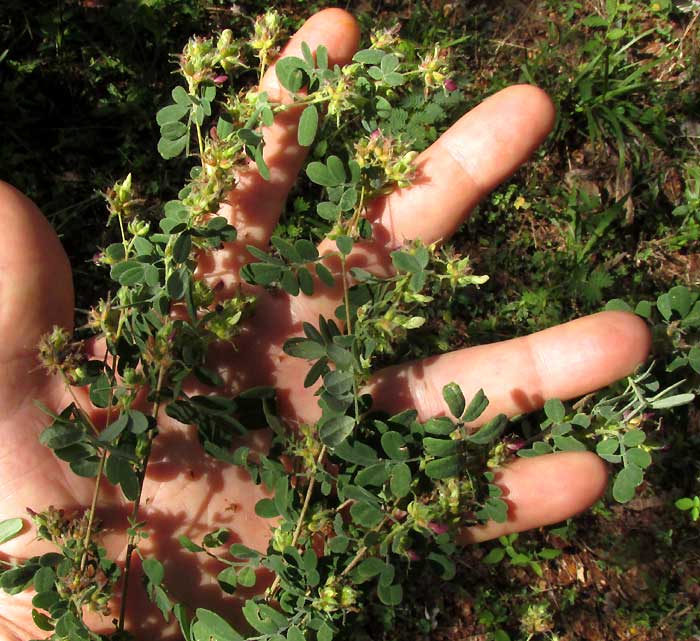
121,200
435,68
225,322
200,58
197,62
103,320
59,354
339,94
385,38
228,54
266,32
393,156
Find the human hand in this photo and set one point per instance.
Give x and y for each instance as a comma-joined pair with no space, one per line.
188,493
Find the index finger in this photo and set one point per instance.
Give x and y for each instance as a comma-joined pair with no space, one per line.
255,205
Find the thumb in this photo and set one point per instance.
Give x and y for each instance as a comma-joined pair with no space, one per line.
36,293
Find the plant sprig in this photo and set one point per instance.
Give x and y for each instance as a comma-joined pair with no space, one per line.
361,500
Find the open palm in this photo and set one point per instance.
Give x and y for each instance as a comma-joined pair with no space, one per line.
188,493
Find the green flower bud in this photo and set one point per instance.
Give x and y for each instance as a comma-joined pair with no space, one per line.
348,596
138,227
281,539
132,377
224,39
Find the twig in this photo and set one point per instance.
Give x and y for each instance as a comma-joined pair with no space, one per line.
362,551
300,522
137,503
93,507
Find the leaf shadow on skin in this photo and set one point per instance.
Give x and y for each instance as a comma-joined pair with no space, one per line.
527,402
253,206
188,576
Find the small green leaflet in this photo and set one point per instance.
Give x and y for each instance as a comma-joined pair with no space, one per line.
304,348
672,401
335,430
454,398
210,626
260,162
443,468
171,113
369,56
308,125
290,72
489,432
9,529
330,174
626,483
476,407
172,148
154,570
344,244
554,410
366,515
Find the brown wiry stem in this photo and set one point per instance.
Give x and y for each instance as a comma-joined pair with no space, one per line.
100,469
96,491
344,504
78,407
300,522
362,551
135,510
307,498
93,507
319,461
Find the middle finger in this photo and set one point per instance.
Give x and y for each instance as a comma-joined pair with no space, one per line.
470,159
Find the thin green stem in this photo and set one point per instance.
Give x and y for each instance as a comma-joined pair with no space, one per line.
263,64
199,140
348,327
121,229
358,211
346,294
304,102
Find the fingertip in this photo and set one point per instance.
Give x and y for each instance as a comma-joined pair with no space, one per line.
36,293
597,472
255,205
538,103
588,353
532,107
586,476
338,30
31,241
628,336
549,489
544,490
13,199
334,28
491,141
